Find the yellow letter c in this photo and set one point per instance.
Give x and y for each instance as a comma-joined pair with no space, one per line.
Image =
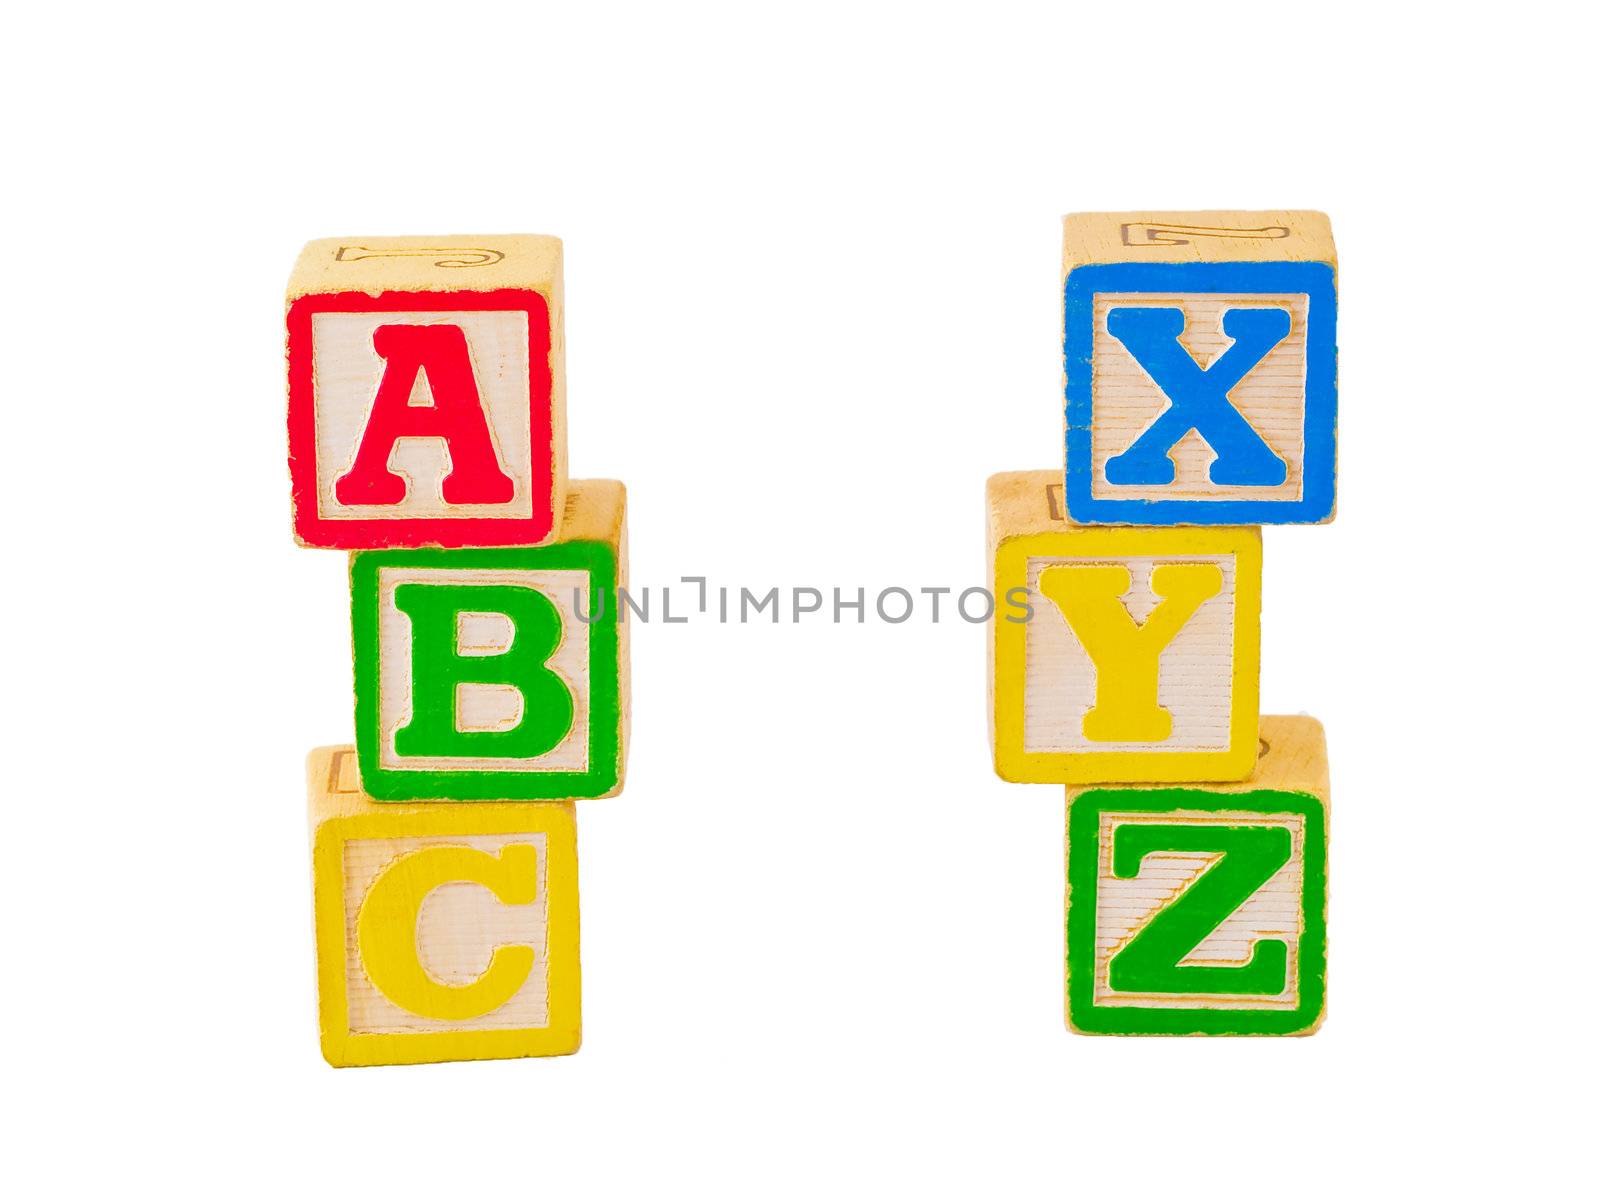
386,929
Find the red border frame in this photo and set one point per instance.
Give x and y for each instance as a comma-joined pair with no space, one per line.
378,533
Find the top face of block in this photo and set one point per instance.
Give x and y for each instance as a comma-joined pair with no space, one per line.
426,391
1186,237
1293,758
1201,380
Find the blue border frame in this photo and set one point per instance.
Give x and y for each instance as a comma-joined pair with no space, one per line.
1312,279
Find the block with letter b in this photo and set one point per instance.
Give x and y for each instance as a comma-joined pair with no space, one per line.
444,932
497,673
1119,654
426,386
1201,381
1203,909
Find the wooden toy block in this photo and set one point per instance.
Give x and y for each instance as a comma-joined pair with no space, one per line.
1119,654
1201,383
1203,910
444,932
499,673
426,384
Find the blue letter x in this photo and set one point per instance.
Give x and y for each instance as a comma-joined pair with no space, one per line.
1198,399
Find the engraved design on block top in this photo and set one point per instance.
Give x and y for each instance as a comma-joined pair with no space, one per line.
1055,499
344,778
1124,907
1151,233
445,256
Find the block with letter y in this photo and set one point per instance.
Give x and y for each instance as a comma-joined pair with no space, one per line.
1201,381
497,673
426,391
1118,654
1203,909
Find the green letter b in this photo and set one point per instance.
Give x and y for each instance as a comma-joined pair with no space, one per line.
438,668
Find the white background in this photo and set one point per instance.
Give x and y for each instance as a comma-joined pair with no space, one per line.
812,272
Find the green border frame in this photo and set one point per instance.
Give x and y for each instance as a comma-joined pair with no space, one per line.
1083,845
605,680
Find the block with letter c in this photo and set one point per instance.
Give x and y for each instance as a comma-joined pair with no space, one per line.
444,932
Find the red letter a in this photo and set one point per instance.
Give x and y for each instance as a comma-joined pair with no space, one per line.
456,416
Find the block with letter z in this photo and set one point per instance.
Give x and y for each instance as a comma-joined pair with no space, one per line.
1203,909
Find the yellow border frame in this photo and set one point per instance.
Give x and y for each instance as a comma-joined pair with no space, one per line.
1009,643
558,821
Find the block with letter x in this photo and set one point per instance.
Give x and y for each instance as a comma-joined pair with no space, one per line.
1203,909
496,673
1119,654
1201,381
444,932
426,391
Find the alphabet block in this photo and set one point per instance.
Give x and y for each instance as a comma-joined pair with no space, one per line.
1119,654
1201,381
444,932
426,384
499,673
1203,910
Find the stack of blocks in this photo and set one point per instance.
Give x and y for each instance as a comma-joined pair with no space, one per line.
1199,356
427,437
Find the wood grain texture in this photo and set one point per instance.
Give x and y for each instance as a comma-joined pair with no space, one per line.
1106,910
347,371
504,294
1043,675
453,935
1127,401
1125,906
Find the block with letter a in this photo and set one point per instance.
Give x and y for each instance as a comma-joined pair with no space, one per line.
1201,382
426,391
